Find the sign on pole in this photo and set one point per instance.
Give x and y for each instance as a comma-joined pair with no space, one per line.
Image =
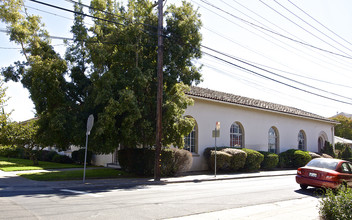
90,123
216,133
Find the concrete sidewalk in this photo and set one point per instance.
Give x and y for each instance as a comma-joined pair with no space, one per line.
190,177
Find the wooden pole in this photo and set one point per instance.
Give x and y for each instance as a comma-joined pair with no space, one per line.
159,93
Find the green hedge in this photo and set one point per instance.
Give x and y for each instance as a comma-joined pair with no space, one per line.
238,158
253,161
78,156
294,158
223,160
62,159
271,160
141,161
12,151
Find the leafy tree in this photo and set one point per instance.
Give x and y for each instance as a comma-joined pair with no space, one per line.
344,129
109,70
23,135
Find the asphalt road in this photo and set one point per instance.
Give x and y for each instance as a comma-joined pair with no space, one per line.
146,201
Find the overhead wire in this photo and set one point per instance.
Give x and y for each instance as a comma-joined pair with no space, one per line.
303,54
278,34
312,26
301,26
275,74
245,69
277,81
320,23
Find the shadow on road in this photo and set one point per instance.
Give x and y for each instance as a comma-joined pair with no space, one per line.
311,191
11,186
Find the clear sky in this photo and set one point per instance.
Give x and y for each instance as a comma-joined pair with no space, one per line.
291,52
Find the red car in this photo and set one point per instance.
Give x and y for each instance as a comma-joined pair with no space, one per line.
325,172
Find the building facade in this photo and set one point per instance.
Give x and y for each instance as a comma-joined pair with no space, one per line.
248,123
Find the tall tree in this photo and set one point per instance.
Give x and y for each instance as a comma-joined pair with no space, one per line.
111,69
344,129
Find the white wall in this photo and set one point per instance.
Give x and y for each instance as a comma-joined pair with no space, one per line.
256,124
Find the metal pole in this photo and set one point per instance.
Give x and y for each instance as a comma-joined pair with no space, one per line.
215,153
159,93
85,160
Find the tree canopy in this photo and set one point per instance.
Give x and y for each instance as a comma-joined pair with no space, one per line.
344,129
109,70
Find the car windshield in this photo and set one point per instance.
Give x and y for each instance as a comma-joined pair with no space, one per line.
327,164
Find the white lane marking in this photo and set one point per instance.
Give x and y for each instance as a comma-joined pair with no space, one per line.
80,192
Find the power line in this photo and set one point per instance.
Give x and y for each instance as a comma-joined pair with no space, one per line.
322,63
313,26
300,26
277,81
276,33
106,12
319,23
275,74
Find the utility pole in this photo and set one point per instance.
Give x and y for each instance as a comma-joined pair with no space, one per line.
159,93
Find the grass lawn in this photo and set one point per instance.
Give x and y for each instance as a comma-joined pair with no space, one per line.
15,164
103,173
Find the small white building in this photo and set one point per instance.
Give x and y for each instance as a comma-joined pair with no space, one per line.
249,123
253,124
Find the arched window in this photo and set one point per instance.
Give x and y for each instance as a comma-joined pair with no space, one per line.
301,140
273,140
191,140
236,135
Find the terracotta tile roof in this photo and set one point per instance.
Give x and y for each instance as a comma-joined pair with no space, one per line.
252,103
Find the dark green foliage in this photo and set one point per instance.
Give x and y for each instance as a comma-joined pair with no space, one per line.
328,149
78,156
223,160
294,158
346,153
336,204
270,161
238,158
62,159
109,71
286,158
13,152
301,158
340,146
254,159
140,161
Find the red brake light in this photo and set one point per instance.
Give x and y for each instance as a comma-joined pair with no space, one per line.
331,176
299,171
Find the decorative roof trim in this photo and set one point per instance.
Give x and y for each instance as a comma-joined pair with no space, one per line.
207,94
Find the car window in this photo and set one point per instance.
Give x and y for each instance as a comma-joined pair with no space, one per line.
327,164
345,168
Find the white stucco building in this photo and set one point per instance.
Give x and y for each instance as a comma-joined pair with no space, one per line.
252,124
248,123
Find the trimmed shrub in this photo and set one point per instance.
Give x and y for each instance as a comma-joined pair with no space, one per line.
46,155
223,160
253,160
62,159
271,160
336,205
314,155
286,158
301,158
183,161
207,151
238,158
141,161
78,156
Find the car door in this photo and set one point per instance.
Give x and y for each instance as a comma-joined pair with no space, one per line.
346,171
